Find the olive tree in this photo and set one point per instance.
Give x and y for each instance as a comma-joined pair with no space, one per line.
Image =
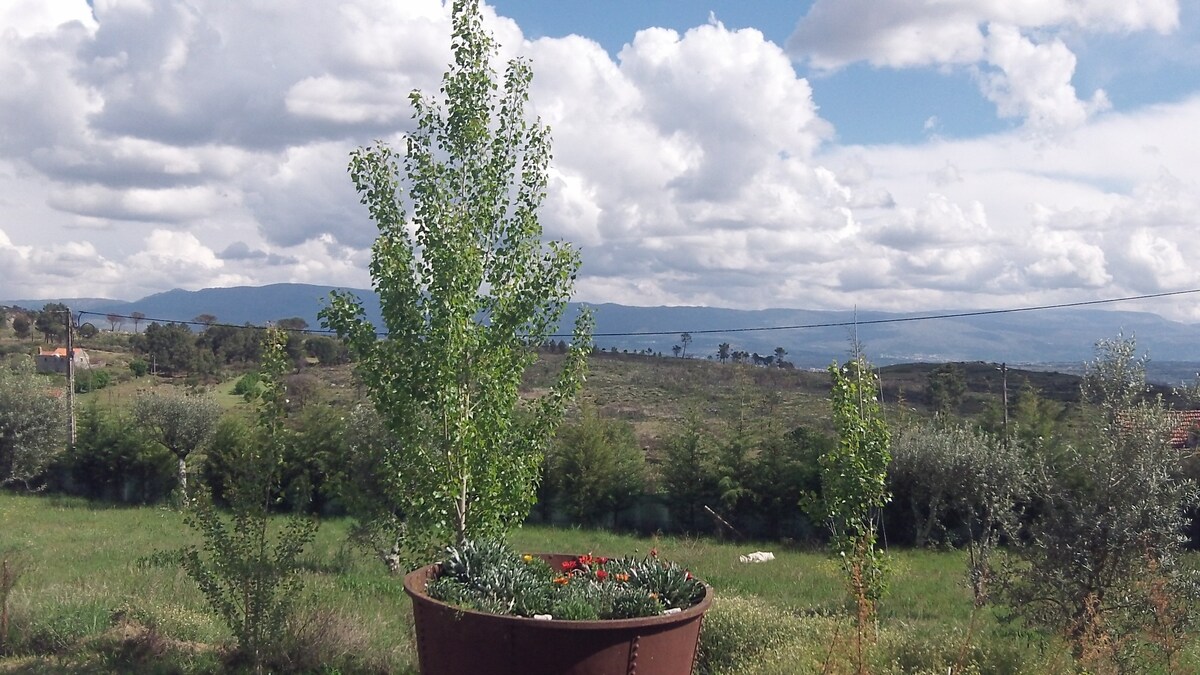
958,482
32,422
1112,515
467,290
180,423
963,484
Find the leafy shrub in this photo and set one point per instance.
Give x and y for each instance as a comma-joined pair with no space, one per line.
311,456
248,386
327,351
112,461
958,484
31,423
139,367
229,442
91,380
594,467
740,633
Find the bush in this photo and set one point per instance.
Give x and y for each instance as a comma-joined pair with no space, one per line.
91,380
742,633
595,467
688,473
327,351
312,456
112,461
784,469
139,367
248,386
249,576
957,484
32,422
230,441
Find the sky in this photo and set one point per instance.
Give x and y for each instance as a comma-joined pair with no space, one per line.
902,155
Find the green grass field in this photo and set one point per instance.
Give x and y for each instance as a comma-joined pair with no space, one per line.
91,599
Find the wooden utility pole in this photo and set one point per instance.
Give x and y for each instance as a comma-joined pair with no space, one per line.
70,381
1004,379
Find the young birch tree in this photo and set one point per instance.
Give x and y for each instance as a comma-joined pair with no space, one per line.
467,290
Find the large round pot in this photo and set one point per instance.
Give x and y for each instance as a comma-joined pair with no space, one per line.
456,641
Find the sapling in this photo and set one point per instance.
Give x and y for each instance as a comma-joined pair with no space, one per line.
249,577
467,290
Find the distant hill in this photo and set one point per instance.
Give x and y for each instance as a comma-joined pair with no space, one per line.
1063,336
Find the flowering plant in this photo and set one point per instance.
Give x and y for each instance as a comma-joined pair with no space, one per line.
490,577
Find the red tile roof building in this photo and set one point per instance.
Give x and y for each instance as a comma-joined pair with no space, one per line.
55,360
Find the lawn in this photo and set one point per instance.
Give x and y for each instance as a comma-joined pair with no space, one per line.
97,595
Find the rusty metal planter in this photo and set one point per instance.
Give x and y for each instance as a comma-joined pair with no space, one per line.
456,641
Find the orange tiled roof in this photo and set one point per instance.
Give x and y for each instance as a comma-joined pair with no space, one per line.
60,352
1186,422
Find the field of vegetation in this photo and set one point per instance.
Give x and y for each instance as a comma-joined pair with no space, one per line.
91,579
232,499
94,592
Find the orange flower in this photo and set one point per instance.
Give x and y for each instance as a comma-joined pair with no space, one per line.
562,581
621,576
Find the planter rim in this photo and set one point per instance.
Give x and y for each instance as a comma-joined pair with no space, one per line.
415,583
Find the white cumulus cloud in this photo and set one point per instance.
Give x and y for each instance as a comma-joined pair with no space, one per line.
1026,68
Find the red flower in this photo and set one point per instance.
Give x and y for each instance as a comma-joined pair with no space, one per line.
569,564
654,552
601,561
601,575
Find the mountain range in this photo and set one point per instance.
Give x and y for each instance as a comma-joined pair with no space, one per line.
812,338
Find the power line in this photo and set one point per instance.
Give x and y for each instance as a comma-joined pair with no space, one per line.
193,322
904,319
710,331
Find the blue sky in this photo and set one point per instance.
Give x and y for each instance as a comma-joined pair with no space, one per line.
886,154
869,105
872,105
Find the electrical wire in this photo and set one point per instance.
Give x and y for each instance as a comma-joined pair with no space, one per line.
754,329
